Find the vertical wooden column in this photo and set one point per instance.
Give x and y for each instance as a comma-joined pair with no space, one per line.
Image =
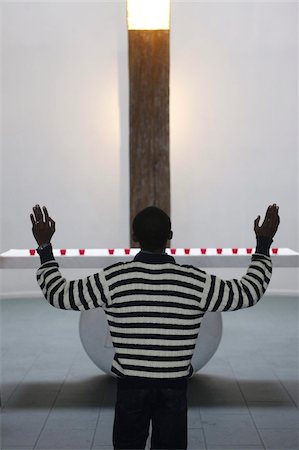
149,121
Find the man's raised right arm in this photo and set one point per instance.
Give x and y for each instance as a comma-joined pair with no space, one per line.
231,295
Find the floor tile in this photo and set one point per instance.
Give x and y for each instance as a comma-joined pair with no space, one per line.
232,447
230,430
6,392
107,411
282,361
252,369
255,390
271,414
102,447
287,374
42,375
244,370
79,418
196,440
292,388
21,447
229,408
24,397
193,418
103,434
12,375
75,400
280,438
21,427
65,438
214,388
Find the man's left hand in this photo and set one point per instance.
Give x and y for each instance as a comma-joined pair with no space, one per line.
42,230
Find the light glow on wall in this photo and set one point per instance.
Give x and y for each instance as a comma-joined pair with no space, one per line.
148,14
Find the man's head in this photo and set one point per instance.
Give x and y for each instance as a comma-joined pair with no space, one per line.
152,229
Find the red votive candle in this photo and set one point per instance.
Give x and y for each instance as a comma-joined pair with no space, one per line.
173,251
32,251
249,250
111,251
81,251
203,251
187,251
63,251
235,251
127,251
275,250
219,251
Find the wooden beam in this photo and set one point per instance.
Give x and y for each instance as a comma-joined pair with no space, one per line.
149,121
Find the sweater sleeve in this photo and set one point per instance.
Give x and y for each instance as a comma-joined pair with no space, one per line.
231,295
85,293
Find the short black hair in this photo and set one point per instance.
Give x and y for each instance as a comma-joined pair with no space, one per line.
151,227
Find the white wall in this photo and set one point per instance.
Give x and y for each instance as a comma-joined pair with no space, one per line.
234,147
65,126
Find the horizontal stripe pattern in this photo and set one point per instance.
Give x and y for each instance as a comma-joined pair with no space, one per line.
154,311
82,294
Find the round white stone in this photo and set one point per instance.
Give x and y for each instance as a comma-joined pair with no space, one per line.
96,339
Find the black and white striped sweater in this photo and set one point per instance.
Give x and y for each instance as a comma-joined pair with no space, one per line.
154,307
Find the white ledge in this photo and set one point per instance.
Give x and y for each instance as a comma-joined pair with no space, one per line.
100,258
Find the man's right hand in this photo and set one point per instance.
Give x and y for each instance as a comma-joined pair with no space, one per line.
270,224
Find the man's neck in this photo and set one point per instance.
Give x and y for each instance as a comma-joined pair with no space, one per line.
153,252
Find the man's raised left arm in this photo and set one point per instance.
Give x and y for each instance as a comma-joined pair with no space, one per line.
86,293
82,294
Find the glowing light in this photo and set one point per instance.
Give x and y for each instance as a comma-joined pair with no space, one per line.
148,14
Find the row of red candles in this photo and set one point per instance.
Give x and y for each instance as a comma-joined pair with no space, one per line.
172,251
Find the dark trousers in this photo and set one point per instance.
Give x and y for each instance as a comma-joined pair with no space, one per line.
167,409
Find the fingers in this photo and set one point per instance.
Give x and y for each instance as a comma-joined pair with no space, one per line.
38,215
276,218
270,211
273,219
256,222
274,212
270,222
46,214
52,223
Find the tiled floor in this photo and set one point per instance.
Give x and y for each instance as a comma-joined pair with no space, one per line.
54,397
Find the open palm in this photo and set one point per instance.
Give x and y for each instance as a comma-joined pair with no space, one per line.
42,228
270,224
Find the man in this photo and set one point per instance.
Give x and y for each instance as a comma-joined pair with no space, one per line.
154,309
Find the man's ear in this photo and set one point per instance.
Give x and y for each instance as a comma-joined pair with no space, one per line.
170,235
